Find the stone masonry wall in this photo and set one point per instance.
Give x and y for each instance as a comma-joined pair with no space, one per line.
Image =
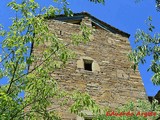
113,83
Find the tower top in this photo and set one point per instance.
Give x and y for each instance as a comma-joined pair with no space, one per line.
77,17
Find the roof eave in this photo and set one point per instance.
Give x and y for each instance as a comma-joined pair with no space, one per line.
103,25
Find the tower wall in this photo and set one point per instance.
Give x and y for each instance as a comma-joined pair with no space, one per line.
114,78
111,82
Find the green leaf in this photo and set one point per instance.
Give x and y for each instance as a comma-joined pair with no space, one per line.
31,1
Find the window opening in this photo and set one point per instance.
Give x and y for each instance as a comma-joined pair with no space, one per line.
88,65
88,119
78,22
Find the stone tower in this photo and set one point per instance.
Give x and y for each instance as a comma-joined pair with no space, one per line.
101,67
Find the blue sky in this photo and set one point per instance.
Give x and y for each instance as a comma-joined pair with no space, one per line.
125,15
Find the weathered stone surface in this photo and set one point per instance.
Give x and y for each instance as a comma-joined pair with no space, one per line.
112,83
121,74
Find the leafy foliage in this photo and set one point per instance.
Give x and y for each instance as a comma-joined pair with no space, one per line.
148,45
142,110
158,5
98,1
29,29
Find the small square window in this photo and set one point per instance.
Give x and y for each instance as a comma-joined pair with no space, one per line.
87,118
88,64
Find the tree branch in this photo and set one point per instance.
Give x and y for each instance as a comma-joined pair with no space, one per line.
35,67
12,80
6,57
